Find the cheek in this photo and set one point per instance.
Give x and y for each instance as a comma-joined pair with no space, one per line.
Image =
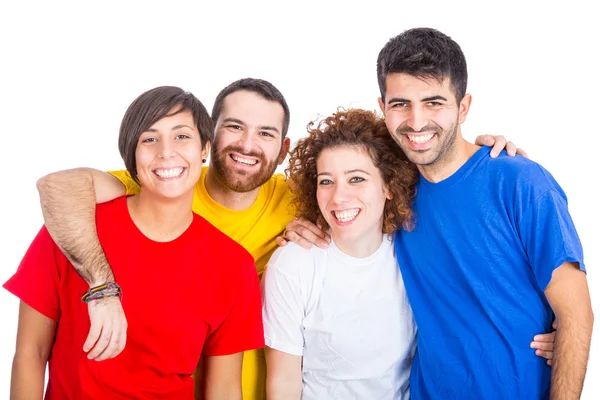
322,200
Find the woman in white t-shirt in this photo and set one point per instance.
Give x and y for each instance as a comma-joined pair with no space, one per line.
337,321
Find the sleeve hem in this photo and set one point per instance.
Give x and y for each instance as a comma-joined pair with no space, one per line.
284,347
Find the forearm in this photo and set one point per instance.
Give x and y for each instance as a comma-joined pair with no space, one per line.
27,380
572,348
232,391
68,203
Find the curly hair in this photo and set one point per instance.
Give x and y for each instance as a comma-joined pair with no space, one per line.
353,127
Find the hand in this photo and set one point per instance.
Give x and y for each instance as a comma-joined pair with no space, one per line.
108,331
499,143
304,233
544,344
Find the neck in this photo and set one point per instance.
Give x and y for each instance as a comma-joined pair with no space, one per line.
450,161
226,197
360,248
160,219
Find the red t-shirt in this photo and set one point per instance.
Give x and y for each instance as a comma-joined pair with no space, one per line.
198,294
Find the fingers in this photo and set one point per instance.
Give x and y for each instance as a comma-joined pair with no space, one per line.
555,323
304,233
522,153
511,149
102,344
545,346
95,330
499,145
280,241
108,330
548,355
485,140
544,337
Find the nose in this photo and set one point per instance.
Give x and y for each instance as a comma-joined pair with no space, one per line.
341,193
245,141
417,119
166,149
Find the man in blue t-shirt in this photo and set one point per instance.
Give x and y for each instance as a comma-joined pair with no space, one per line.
494,255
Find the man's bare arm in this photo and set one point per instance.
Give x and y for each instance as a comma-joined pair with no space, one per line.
569,297
68,199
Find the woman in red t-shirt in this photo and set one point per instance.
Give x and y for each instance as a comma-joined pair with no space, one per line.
189,290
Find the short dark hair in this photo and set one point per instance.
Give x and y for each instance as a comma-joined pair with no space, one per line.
150,107
424,53
261,87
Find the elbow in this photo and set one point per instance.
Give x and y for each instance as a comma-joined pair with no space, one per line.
61,179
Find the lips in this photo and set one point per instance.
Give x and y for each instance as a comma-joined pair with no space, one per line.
168,173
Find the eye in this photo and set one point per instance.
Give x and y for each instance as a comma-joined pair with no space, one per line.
182,136
234,127
149,140
399,105
434,104
325,182
265,134
356,179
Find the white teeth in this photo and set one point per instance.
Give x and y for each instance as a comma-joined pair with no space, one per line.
346,215
168,173
420,138
244,160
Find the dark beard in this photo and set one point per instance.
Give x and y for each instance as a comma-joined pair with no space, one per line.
241,182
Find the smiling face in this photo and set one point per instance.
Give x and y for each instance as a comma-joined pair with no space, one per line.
351,194
169,156
423,116
248,141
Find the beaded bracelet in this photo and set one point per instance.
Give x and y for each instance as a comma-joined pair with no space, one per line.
108,289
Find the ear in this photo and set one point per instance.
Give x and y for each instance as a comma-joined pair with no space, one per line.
285,148
381,105
386,191
463,108
205,150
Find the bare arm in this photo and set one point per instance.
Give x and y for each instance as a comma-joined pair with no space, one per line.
68,200
284,375
569,297
35,336
222,377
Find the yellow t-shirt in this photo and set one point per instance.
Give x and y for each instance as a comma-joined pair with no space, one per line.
255,228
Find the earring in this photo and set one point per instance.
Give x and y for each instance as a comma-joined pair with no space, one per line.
203,160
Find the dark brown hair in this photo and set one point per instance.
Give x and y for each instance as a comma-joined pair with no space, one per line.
423,53
364,129
263,88
152,106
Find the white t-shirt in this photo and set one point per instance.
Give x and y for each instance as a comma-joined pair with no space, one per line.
349,319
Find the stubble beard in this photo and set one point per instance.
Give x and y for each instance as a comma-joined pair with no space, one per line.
242,182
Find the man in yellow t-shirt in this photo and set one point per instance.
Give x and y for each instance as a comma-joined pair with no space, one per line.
238,193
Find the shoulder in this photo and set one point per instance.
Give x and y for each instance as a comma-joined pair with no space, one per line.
277,187
523,174
294,260
222,246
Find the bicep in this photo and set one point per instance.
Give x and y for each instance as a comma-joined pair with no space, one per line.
107,187
568,292
284,372
35,332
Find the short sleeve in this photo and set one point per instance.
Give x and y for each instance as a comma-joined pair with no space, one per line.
549,236
37,280
242,329
131,186
283,307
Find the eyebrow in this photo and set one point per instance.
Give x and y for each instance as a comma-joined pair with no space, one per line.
173,128
347,172
426,99
262,127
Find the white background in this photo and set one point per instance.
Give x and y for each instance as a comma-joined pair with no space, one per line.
69,71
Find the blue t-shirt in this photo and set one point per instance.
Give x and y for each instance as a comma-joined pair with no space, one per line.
486,242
